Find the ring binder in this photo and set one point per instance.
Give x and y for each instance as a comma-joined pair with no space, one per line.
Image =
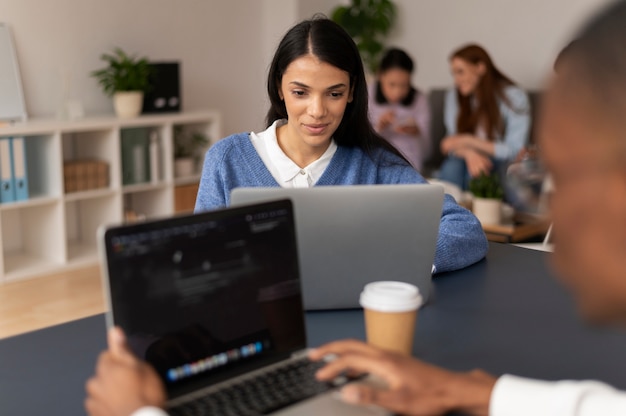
7,194
20,173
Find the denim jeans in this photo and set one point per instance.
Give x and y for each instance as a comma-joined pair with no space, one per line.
454,170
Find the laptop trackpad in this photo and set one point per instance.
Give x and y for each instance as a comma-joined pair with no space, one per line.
330,404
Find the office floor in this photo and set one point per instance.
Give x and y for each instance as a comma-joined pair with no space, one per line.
36,303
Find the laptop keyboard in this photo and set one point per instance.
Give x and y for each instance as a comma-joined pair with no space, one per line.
261,395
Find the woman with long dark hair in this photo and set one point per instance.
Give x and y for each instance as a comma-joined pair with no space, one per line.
318,133
487,118
398,110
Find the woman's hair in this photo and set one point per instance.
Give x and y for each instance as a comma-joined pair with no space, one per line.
395,58
490,88
329,43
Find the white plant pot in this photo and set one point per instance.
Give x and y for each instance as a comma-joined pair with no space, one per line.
487,210
128,104
184,166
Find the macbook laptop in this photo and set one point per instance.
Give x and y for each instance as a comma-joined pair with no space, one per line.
349,236
213,302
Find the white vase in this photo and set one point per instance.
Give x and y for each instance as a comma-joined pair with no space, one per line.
128,104
184,166
487,210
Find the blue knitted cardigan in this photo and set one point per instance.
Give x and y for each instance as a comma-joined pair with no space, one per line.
234,162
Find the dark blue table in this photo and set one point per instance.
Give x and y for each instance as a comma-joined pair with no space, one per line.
503,314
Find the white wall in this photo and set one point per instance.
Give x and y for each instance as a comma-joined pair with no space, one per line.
308,8
219,44
522,37
278,17
226,46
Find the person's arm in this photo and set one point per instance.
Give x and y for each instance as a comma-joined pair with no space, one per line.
477,144
461,145
516,118
450,112
212,193
386,119
123,384
517,121
514,396
461,239
411,386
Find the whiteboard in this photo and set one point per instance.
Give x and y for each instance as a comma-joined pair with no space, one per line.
11,95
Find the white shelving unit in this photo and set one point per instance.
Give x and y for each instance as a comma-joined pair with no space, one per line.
54,230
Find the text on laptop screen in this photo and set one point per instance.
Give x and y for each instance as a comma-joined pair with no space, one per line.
197,294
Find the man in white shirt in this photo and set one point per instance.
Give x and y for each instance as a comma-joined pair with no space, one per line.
583,143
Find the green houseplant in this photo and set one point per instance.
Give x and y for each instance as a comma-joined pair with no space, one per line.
187,144
487,186
125,78
488,194
368,22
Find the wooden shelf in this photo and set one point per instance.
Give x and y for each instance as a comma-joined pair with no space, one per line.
54,230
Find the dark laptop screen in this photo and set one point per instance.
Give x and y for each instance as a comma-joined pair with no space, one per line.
204,294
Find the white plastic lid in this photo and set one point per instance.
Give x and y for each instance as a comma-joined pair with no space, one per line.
389,296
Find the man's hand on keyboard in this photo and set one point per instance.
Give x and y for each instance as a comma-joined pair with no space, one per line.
122,383
408,386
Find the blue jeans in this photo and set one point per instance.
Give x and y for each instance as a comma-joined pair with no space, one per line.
454,170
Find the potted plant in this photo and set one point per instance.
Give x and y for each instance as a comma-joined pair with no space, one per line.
187,145
368,22
125,78
488,194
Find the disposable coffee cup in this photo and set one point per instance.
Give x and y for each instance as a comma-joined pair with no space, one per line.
390,314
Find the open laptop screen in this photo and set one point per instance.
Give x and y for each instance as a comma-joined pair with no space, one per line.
208,293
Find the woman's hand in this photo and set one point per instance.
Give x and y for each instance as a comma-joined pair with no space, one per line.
477,162
410,127
454,144
412,387
385,120
122,383
457,144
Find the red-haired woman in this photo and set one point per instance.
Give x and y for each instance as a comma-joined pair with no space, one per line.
487,118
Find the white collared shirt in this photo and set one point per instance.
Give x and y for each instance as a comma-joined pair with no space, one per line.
513,396
149,411
283,169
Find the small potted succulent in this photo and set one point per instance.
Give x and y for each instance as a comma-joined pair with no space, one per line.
487,194
187,145
125,78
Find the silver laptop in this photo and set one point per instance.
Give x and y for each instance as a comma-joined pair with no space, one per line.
213,302
352,235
